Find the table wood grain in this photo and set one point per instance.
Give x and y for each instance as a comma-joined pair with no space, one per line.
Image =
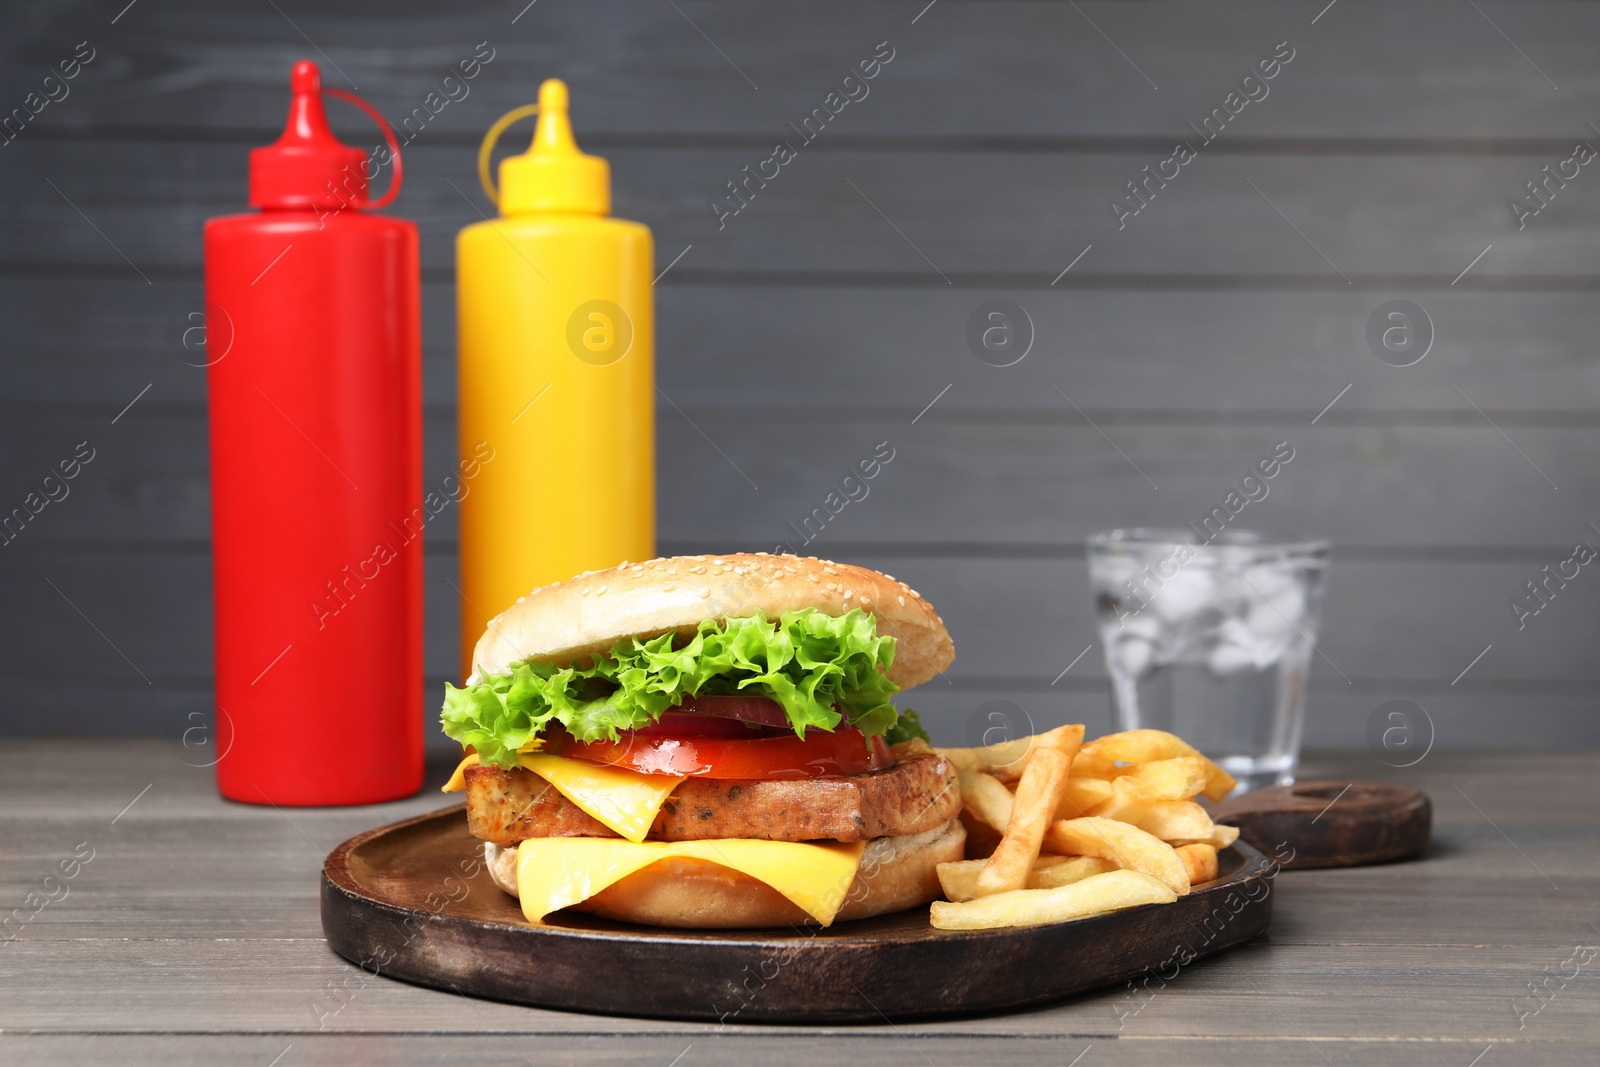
191,935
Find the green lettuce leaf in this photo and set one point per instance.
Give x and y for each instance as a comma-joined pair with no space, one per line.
809,662
908,726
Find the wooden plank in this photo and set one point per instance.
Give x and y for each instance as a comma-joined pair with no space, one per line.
993,477
884,1047
1551,714
167,878
1123,354
1020,620
237,872
212,905
1388,220
881,1046
50,657
1469,715
1366,69
1405,992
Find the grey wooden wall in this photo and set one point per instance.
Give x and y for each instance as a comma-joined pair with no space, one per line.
1219,320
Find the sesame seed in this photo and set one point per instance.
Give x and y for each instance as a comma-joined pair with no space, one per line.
811,577
638,568
829,570
866,602
889,576
669,587
520,599
902,600
848,593
600,591
704,592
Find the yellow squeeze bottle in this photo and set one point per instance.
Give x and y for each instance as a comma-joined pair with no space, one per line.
556,375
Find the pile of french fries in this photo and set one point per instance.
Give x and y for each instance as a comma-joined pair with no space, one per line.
1064,830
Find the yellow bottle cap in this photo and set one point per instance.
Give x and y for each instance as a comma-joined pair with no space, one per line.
553,175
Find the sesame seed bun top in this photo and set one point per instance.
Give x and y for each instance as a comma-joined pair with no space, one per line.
588,614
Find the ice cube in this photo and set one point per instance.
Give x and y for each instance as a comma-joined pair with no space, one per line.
1275,606
1272,582
1184,595
1273,609
1235,648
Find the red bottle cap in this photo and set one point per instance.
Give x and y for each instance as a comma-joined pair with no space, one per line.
308,166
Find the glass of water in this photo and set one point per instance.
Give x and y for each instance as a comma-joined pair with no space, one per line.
1211,640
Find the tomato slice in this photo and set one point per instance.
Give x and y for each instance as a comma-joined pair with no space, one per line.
821,754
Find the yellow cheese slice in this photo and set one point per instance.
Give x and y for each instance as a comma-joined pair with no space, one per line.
557,872
458,780
626,801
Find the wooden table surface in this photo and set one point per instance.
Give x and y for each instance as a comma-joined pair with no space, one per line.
188,932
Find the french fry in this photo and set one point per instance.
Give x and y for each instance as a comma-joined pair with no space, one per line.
1222,835
1170,820
1074,869
1145,746
1007,760
1087,765
1072,829
1176,820
1138,746
1003,760
1064,739
1038,794
1067,739
1095,895
1178,778
983,795
1200,860
1080,795
959,878
1123,844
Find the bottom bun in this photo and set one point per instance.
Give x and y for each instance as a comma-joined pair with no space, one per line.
896,873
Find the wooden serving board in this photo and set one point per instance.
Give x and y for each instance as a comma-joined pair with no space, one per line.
1331,823
413,901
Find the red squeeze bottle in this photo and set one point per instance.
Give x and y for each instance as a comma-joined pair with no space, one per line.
315,382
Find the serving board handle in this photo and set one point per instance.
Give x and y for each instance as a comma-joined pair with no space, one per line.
1333,823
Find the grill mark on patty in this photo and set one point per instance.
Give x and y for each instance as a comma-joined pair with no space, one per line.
913,796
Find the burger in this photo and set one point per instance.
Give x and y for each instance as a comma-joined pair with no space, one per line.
708,742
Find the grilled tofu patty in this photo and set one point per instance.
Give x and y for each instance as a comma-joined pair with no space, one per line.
913,796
